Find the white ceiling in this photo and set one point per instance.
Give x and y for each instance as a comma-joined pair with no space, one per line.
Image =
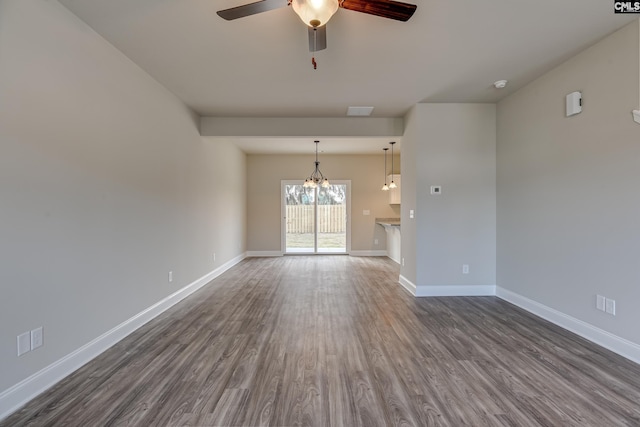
329,145
259,66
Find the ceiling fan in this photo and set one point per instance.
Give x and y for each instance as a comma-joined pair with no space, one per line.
316,13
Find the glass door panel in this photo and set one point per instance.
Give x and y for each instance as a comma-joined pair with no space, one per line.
315,220
300,219
332,219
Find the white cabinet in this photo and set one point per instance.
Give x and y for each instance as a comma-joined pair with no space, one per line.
394,193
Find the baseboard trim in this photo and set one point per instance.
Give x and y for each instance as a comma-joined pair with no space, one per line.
258,254
456,291
19,394
368,253
612,342
408,285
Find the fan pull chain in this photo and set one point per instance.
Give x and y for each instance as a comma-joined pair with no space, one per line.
315,48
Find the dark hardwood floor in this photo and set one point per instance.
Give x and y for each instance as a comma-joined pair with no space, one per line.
335,341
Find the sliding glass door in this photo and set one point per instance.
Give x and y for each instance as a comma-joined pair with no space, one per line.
315,220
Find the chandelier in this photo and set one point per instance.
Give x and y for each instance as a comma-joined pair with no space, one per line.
316,178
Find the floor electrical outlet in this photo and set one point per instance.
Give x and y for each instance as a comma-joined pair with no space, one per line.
36,338
24,343
611,306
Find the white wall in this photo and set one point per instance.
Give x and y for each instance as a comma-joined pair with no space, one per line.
105,186
453,146
568,205
411,141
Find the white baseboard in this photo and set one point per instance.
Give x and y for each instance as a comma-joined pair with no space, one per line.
618,345
456,291
408,285
368,253
19,394
256,254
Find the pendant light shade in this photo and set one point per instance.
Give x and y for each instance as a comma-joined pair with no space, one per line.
385,187
393,184
316,178
315,13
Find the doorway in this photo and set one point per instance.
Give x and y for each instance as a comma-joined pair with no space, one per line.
316,220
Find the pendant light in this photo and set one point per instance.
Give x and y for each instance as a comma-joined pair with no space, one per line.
385,187
393,184
316,176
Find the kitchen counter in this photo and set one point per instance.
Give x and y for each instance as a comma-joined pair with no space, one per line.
392,228
388,222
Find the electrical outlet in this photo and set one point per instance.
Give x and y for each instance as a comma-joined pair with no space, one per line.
411,213
37,336
465,268
610,305
403,261
375,241
170,276
600,302
24,343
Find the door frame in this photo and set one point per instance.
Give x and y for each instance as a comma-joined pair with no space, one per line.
283,217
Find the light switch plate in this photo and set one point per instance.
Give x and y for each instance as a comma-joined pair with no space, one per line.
600,302
366,212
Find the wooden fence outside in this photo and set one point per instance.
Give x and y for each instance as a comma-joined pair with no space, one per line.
332,219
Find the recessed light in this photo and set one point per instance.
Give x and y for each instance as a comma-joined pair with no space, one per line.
500,84
359,111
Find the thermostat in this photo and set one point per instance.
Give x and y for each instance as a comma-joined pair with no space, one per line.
436,189
574,103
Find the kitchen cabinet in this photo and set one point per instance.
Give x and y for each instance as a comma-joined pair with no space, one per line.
394,193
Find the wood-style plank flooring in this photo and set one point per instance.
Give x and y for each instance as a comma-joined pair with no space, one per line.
335,341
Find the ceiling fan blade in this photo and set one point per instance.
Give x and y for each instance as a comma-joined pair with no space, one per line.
317,38
251,9
385,8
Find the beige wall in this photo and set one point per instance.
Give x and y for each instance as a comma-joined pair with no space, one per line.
105,186
265,172
568,204
453,146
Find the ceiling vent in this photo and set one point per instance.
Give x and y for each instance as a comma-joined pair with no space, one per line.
359,111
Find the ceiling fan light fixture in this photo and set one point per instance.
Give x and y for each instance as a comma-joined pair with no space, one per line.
315,13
